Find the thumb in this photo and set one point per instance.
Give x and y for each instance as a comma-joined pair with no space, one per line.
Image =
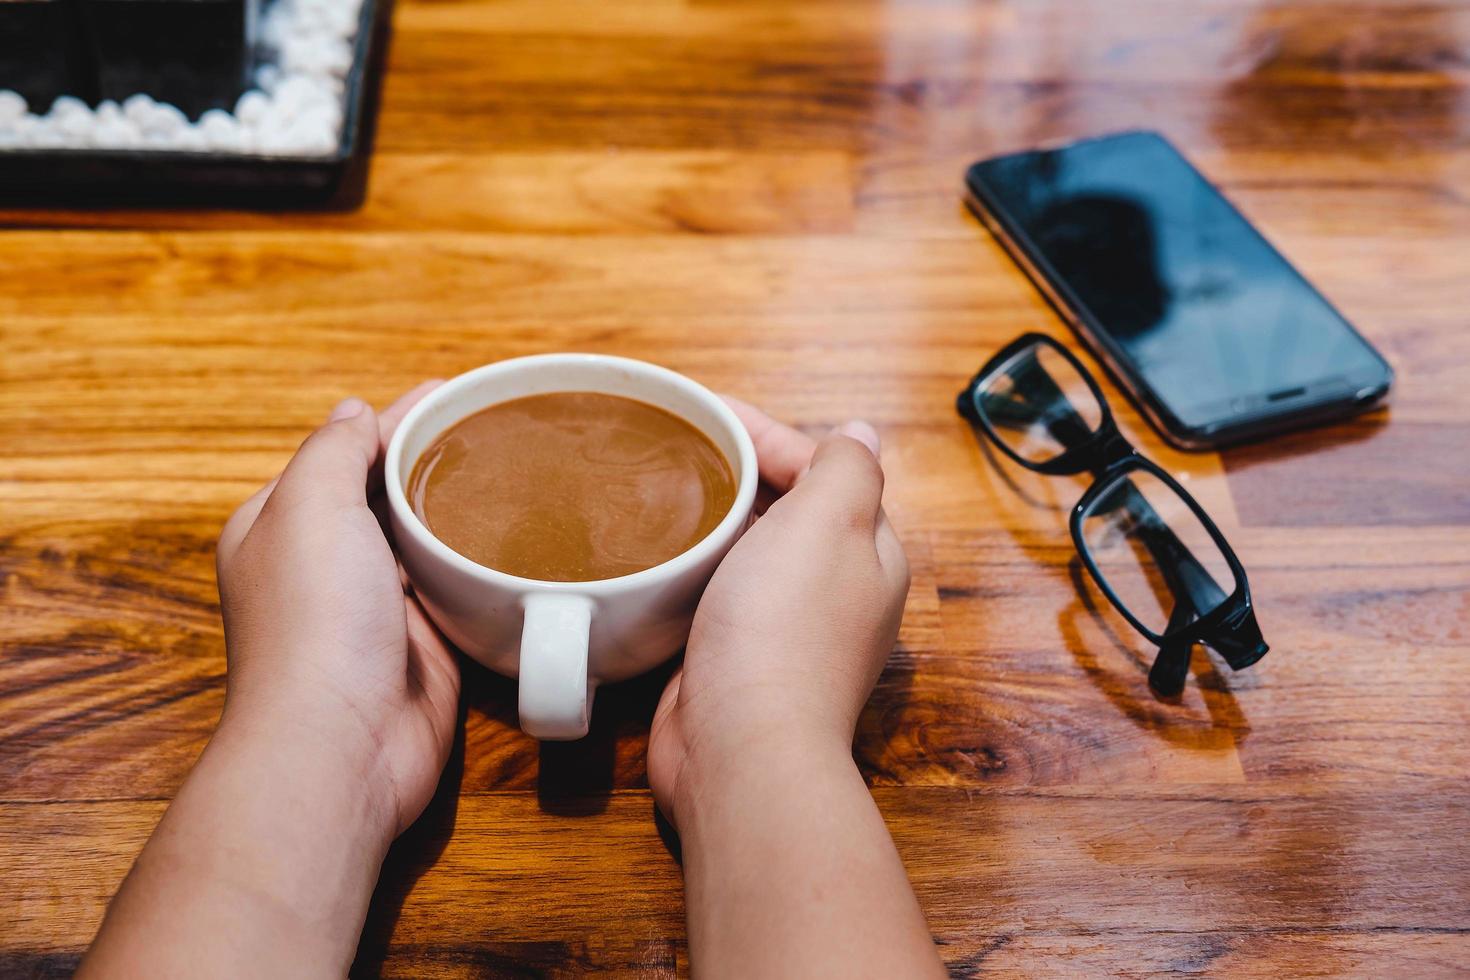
844,478
333,463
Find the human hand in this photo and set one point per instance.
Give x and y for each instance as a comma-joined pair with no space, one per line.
340,709
327,652
796,623
750,754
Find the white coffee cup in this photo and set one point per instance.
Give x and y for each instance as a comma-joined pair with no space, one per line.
563,638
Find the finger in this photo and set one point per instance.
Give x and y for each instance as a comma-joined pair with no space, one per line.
437,666
669,699
332,465
845,479
667,702
240,523
378,504
782,452
389,417
388,422
891,555
863,433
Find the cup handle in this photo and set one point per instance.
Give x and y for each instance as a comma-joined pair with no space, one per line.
555,698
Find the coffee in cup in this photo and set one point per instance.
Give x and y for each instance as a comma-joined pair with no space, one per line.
571,486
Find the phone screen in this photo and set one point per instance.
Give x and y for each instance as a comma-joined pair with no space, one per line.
1197,306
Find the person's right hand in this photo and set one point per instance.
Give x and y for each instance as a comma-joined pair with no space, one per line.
796,624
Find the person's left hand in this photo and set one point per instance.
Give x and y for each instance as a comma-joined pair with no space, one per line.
325,648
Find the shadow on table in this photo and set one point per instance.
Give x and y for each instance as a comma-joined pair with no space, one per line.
887,715
573,779
1084,609
1224,711
1315,440
1023,493
412,854
576,779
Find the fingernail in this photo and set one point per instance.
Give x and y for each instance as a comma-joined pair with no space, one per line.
862,432
347,408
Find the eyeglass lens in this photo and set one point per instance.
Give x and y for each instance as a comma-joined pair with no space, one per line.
1153,552
1037,404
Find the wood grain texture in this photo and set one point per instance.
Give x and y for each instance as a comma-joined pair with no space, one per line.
766,196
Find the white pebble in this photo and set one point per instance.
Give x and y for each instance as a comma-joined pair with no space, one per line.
191,139
322,144
45,136
274,141
67,106
343,19
300,54
138,108
76,127
164,119
337,57
312,20
268,77
295,91
252,107
296,108
117,134
215,121
17,132
277,119
12,105
324,24
276,27
310,139
325,119
220,131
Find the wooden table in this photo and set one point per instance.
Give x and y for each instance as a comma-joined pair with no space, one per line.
767,197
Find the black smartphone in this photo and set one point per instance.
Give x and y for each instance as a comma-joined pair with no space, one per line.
1209,329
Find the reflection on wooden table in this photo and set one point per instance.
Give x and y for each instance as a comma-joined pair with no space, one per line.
767,197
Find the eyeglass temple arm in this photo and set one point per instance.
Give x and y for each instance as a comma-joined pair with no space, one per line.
1171,666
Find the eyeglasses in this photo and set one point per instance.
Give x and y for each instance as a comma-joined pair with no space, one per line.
1149,545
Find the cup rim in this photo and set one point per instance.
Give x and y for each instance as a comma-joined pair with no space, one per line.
408,518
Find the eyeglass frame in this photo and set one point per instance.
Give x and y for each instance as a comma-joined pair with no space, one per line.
1230,627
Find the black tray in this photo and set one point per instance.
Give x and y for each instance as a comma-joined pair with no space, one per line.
337,181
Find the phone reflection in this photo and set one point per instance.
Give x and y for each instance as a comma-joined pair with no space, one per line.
1122,277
